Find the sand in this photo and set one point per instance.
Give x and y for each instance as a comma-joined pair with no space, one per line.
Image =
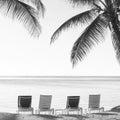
9,116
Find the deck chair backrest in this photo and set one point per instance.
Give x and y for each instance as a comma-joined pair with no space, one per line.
94,101
73,102
45,101
24,101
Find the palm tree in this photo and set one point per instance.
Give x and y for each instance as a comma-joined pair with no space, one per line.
26,11
103,15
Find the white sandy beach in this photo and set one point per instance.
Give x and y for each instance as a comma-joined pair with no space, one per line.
9,116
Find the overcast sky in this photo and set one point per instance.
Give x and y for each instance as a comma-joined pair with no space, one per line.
22,55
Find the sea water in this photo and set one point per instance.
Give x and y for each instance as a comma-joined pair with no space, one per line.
59,89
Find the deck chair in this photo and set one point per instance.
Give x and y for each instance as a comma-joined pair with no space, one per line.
24,104
45,104
73,105
94,104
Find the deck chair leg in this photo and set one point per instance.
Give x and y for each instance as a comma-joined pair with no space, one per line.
81,110
78,112
67,112
53,112
102,109
63,112
32,112
50,112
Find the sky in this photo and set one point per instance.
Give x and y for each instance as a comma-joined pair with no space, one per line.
22,55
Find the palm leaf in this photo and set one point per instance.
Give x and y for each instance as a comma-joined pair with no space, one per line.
89,37
78,2
109,5
117,2
24,13
38,4
108,2
82,18
116,38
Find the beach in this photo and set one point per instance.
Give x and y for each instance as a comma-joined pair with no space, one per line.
10,89
10,116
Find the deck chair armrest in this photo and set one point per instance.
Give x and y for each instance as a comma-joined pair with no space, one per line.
52,109
102,109
92,109
81,110
37,111
59,110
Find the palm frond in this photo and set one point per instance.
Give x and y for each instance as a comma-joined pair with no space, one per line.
38,4
117,2
109,6
116,38
24,13
79,2
82,18
108,2
91,35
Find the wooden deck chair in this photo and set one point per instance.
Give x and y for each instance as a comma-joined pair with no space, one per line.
24,104
73,105
45,104
94,104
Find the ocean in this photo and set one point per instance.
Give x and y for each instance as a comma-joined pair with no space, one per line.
60,88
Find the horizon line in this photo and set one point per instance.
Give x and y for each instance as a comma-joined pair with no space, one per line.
82,78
